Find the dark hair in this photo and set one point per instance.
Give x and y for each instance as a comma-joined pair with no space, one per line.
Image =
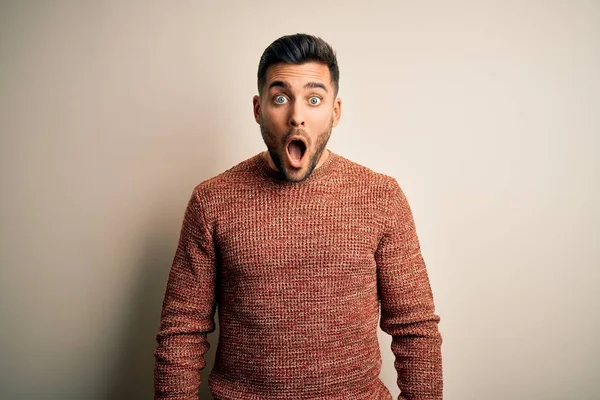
298,49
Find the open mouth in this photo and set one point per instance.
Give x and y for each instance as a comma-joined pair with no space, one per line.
296,149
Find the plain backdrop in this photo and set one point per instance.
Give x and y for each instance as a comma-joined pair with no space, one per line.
487,114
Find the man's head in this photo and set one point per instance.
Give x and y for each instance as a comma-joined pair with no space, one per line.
297,105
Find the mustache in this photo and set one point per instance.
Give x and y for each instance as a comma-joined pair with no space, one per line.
295,132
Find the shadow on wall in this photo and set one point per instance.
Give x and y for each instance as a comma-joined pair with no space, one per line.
132,377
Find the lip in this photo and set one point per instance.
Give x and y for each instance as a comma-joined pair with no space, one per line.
292,161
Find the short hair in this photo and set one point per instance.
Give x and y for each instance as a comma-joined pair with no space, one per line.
298,49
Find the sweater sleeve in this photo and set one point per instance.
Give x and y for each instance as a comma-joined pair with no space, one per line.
407,306
188,310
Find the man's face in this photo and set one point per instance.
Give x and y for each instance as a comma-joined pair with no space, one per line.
296,110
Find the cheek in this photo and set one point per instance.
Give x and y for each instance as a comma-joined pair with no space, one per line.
274,116
321,118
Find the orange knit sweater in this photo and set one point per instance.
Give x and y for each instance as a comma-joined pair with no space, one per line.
300,273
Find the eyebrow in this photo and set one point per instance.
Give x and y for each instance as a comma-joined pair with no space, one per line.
309,85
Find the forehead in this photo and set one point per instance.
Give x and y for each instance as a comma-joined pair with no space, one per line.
298,74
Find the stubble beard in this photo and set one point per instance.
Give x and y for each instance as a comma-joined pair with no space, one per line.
277,147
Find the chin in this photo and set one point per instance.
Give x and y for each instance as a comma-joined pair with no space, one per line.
296,175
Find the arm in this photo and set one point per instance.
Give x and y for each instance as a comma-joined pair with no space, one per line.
188,310
407,307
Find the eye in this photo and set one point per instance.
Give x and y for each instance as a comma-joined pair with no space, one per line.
279,99
314,101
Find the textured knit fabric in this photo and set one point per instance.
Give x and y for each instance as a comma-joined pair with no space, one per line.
300,273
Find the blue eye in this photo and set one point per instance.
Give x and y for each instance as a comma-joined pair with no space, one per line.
314,100
280,99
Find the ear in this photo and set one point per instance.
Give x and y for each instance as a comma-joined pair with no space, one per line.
256,107
337,111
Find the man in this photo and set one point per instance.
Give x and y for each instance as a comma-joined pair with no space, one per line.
300,249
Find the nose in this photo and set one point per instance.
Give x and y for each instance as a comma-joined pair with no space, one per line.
296,115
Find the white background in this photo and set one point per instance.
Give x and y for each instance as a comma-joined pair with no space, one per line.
487,114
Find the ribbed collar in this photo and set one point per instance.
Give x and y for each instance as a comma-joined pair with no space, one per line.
322,172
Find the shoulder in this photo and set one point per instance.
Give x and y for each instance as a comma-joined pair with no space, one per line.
361,175
229,179
382,190
223,190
